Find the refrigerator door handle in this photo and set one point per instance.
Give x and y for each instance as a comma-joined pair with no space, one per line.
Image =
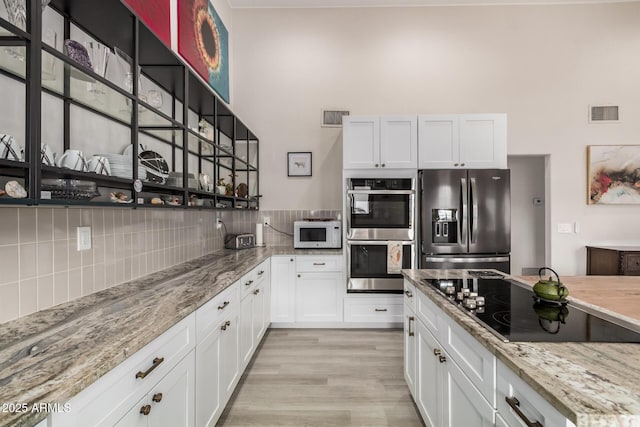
467,260
463,212
474,211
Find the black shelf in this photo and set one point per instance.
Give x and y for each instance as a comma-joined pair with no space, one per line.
184,94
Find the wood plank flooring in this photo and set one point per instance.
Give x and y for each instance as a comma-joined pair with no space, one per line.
324,377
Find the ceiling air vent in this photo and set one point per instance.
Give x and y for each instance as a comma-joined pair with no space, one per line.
333,118
603,113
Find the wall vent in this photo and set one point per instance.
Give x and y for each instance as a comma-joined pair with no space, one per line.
333,118
604,113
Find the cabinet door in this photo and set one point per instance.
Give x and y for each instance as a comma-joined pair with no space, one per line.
483,141
438,137
319,297
208,387
229,358
361,142
427,397
399,142
172,400
257,311
463,404
246,330
283,279
410,350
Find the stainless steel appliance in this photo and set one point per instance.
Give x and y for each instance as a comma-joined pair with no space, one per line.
510,311
380,209
465,218
368,266
312,234
380,222
239,241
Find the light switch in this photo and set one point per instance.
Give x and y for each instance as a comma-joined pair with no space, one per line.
84,238
565,228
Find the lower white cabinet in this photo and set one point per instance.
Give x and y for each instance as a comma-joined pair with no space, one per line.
170,402
444,394
519,405
410,349
307,289
253,321
164,366
283,290
382,309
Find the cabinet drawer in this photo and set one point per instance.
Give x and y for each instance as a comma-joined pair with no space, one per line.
632,264
530,403
107,400
410,295
318,263
209,315
428,312
478,364
374,310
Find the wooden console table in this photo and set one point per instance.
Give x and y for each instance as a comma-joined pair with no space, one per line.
613,260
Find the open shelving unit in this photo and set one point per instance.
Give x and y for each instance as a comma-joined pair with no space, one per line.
138,100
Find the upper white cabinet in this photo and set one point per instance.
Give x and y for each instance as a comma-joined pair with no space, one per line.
470,141
371,142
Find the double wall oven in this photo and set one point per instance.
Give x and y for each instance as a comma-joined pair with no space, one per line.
380,233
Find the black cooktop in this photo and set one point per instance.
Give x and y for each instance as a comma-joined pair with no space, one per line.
512,312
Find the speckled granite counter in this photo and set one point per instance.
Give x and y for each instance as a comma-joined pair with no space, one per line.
592,384
52,355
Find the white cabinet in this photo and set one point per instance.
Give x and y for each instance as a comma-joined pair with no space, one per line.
384,310
253,324
371,142
444,395
518,403
410,350
170,402
319,288
473,141
165,365
283,291
217,354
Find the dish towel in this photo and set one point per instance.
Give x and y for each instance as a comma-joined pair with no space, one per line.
394,257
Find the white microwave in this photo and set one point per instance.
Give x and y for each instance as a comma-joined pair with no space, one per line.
317,234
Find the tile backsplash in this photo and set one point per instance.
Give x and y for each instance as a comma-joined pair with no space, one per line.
40,266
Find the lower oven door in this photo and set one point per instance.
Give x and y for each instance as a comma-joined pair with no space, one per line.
368,266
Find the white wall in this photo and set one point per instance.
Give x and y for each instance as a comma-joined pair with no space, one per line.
527,219
542,65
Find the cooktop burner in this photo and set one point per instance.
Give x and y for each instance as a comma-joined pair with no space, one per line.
512,312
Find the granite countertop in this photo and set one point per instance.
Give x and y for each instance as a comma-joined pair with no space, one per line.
592,384
52,355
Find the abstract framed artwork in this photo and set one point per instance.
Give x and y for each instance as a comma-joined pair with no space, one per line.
299,163
156,14
203,41
613,172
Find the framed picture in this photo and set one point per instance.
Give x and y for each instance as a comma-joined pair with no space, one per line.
203,41
613,172
156,14
299,163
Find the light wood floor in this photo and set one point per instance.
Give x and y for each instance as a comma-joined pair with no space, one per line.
324,377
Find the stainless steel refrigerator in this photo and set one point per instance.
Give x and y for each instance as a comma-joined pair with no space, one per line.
465,218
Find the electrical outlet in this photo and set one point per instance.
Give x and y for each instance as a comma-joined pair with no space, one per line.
565,228
84,238
266,220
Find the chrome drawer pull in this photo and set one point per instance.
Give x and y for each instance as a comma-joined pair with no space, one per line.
515,405
156,362
221,307
319,263
381,309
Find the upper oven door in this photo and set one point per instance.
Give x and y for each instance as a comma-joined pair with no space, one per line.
380,214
